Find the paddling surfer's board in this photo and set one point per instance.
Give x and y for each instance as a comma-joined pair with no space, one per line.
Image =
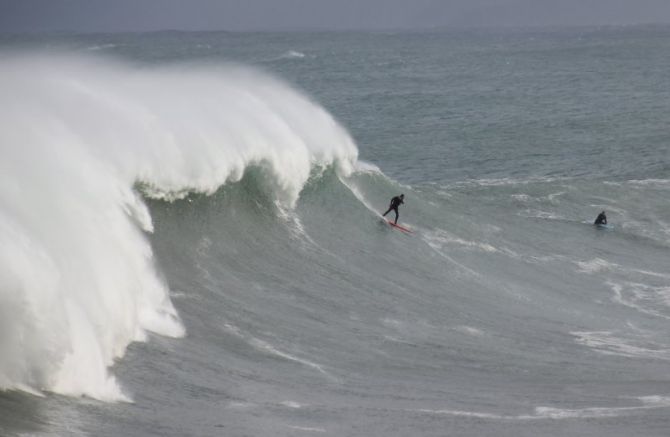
401,228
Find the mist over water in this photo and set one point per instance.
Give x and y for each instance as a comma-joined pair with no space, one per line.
203,240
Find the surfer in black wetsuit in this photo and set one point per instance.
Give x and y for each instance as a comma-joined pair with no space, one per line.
601,219
395,203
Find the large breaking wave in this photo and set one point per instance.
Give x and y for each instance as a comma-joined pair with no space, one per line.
78,281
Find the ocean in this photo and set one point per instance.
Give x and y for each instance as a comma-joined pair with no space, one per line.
192,242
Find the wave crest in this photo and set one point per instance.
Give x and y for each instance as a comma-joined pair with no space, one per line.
77,276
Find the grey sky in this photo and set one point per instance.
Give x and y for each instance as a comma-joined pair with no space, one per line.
143,15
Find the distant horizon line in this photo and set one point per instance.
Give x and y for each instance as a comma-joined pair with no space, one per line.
303,29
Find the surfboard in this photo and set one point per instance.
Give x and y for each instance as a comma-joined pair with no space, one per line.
400,228
603,226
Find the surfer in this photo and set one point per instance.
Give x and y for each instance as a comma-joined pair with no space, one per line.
601,219
395,203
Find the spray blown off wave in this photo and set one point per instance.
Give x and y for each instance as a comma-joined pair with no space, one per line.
77,276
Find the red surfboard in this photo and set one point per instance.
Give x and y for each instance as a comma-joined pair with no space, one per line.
402,228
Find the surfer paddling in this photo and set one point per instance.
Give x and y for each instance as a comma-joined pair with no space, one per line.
601,219
395,203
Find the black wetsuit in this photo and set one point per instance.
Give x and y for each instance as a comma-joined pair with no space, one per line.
395,203
601,219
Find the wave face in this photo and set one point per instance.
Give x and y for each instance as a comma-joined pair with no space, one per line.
78,280
505,309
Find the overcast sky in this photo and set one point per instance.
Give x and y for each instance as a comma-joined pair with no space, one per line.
146,15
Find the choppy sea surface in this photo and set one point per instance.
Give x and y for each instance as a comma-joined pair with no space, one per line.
191,242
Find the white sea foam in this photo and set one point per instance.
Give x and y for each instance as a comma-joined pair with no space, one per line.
502,182
598,265
475,332
554,196
295,226
307,428
352,185
292,404
645,298
366,167
609,343
77,275
441,237
289,55
545,413
101,47
525,198
521,197
437,247
266,347
655,183
293,54
595,265
546,215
